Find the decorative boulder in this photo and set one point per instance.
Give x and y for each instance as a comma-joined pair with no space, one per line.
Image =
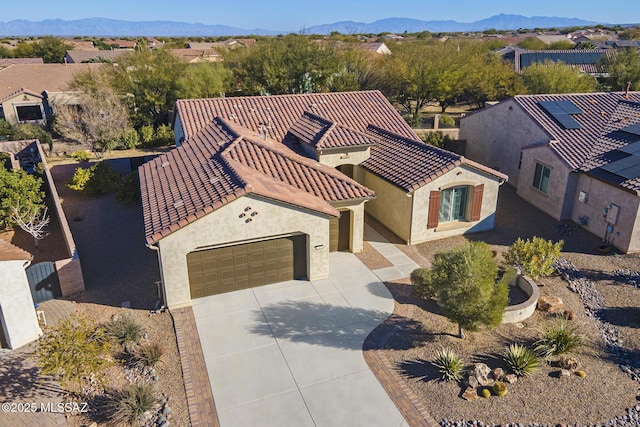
568,363
481,372
470,394
510,378
497,373
550,304
473,381
564,373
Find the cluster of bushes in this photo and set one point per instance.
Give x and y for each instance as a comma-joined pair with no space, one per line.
76,350
148,136
101,179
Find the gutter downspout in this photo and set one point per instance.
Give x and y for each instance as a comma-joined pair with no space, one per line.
160,284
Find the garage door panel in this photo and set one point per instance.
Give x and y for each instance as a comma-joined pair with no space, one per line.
244,266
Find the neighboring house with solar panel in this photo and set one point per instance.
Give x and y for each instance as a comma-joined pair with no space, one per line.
261,189
587,60
574,156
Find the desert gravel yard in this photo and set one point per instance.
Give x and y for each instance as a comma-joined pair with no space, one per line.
607,391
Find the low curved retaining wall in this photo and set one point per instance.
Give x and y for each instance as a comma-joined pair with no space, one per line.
519,312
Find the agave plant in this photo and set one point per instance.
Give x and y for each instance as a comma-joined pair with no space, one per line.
449,364
558,338
522,361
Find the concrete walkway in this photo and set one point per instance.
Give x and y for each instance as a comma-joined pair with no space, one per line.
290,354
402,264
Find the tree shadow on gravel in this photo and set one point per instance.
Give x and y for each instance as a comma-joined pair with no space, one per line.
621,316
421,369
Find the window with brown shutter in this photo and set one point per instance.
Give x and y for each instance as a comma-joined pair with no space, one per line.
476,206
434,209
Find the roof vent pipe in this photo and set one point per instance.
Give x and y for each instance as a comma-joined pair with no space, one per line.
626,94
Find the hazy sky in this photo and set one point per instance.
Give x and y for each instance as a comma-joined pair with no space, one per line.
288,15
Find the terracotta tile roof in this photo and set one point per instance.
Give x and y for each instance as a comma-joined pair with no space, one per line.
80,56
38,78
408,163
277,113
606,150
223,162
322,133
9,252
28,61
575,146
18,92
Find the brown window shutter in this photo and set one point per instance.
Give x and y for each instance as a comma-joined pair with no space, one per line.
476,206
434,209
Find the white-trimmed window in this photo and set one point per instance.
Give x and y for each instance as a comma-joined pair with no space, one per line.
541,177
453,204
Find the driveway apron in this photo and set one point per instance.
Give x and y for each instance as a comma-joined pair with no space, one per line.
290,354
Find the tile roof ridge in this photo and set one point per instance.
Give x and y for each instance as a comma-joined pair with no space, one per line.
284,95
19,91
418,143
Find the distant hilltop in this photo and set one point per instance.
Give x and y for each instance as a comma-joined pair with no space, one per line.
112,27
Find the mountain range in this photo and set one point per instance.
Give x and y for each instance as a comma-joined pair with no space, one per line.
112,27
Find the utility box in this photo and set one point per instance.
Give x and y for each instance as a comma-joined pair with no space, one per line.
612,214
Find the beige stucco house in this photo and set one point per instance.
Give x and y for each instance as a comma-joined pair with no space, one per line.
262,189
18,319
574,156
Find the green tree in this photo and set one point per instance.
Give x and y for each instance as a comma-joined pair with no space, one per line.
51,49
533,43
630,34
561,45
30,131
5,52
282,65
17,188
468,289
624,68
204,80
73,350
548,77
150,82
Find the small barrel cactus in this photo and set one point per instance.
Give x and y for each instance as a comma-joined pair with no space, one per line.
499,388
581,374
485,392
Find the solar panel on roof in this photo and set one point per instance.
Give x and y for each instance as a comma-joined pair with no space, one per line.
567,121
628,168
634,129
551,107
630,173
633,148
569,107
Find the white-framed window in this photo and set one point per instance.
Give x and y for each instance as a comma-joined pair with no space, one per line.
453,204
541,177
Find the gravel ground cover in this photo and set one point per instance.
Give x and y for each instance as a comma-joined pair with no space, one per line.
610,357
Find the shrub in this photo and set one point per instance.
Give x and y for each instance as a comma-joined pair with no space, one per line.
133,402
485,393
80,155
17,187
164,135
422,284
535,257
131,138
129,188
449,365
447,120
149,354
125,329
102,179
557,338
80,178
6,130
499,388
73,349
146,134
522,361
5,160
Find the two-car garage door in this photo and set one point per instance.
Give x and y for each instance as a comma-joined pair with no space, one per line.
232,268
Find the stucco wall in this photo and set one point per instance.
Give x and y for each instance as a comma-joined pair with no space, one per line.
462,175
626,232
392,206
346,157
9,106
496,134
357,224
16,304
552,202
225,226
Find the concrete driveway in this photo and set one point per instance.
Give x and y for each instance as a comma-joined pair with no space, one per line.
290,354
